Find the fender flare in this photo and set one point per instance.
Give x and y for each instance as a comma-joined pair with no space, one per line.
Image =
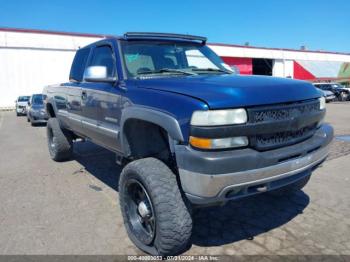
164,120
52,102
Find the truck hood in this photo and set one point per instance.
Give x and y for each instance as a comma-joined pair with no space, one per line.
227,91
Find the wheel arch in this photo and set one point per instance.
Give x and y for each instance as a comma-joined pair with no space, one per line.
165,121
51,108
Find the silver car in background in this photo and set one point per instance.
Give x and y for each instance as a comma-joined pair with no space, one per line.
36,113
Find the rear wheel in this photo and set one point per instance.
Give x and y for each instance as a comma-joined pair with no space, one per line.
292,188
60,142
154,212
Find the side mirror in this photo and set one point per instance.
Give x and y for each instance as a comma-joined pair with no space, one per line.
28,103
98,74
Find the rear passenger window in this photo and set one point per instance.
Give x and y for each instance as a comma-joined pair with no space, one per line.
103,56
78,66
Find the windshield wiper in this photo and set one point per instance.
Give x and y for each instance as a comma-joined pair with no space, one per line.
167,70
211,70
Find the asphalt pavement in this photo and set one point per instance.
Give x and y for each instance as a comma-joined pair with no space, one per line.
72,207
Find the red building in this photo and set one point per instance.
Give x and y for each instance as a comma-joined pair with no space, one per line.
298,64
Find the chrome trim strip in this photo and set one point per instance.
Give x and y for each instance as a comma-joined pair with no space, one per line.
68,115
111,119
109,130
100,127
212,185
87,123
63,112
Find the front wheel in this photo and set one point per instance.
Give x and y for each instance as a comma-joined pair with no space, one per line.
154,212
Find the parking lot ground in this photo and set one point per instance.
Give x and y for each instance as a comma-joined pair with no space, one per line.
72,207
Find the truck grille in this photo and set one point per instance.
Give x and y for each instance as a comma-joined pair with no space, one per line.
282,113
270,141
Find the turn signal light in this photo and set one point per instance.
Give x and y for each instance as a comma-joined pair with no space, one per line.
218,143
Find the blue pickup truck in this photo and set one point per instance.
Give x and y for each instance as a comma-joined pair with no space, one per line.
188,131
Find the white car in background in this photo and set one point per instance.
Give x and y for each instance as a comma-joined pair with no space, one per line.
21,105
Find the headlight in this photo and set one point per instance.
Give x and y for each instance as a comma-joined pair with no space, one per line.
219,143
322,103
219,117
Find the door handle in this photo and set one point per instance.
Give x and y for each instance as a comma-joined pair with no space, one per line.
83,95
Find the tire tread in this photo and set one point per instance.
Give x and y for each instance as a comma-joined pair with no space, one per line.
64,142
174,222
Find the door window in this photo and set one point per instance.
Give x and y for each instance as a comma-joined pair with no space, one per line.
103,56
78,66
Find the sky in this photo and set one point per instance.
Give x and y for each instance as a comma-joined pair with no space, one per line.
316,24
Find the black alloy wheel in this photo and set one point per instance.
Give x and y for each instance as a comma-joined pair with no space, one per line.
140,211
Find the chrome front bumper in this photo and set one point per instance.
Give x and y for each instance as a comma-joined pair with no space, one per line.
210,186
206,188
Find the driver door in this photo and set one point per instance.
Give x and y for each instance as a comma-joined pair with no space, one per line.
101,100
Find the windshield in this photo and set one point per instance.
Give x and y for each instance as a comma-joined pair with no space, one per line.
23,98
170,58
37,99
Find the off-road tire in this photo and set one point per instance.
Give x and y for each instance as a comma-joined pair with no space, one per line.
59,141
292,188
173,227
